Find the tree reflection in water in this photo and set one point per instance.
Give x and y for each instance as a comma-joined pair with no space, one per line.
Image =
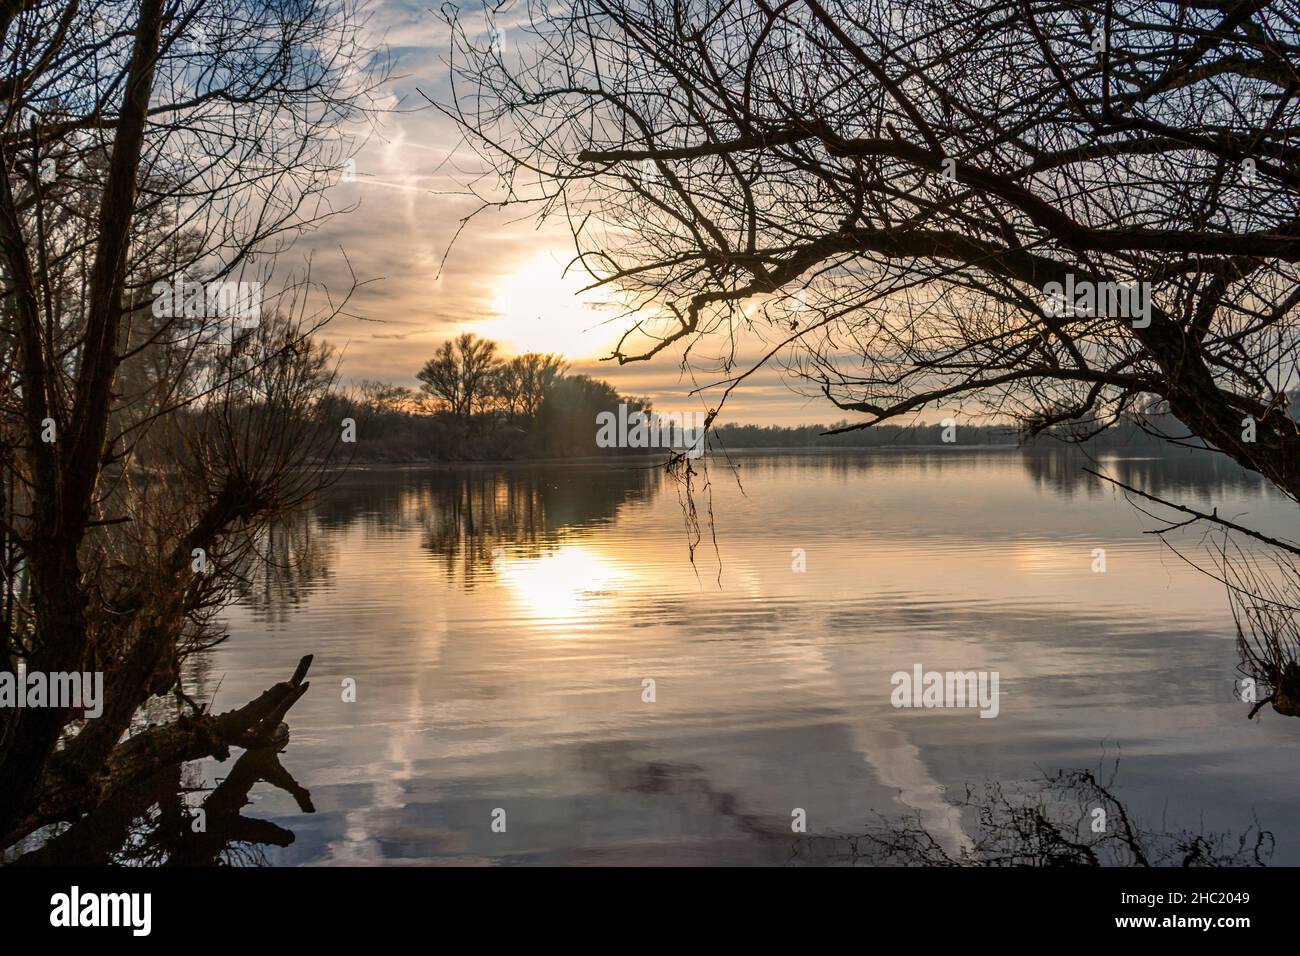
1070,818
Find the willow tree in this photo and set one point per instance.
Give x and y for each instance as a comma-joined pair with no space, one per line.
147,437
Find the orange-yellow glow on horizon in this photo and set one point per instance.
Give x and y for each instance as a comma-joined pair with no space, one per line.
538,308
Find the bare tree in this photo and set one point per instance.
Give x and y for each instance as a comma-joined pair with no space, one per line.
381,397
460,373
521,384
151,149
891,196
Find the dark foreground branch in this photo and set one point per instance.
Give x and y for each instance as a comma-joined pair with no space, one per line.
70,790
1199,515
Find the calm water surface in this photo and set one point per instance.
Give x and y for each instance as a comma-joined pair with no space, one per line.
499,622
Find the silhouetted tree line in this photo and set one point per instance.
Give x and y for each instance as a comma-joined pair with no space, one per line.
474,405
1132,430
809,436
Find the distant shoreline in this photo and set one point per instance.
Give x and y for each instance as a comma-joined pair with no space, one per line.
656,460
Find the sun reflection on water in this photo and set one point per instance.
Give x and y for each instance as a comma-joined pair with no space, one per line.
563,584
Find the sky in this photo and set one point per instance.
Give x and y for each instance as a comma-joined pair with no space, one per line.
504,277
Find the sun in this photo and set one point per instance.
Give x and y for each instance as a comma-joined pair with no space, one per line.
537,308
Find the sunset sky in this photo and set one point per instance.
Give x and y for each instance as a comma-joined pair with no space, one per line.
504,278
